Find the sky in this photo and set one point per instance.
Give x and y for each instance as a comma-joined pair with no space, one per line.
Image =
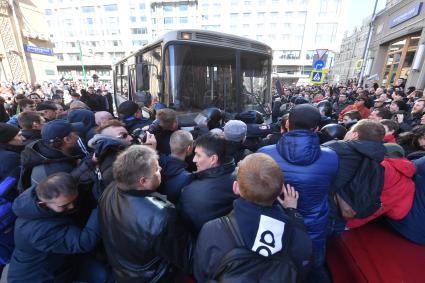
360,9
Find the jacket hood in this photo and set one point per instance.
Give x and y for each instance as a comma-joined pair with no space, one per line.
370,149
38,152
25,206
171,166
401,165
103,143
85,116
420,165
299,147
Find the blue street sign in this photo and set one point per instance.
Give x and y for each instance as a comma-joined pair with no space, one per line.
317,77
38,50
319,64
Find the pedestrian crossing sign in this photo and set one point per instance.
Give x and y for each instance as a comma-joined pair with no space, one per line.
317,76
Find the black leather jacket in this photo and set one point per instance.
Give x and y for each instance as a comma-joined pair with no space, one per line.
143,237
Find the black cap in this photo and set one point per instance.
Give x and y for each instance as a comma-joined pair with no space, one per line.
58,129
45,106
304,117
7,132
128,108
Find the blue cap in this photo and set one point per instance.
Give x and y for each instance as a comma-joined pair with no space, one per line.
58,129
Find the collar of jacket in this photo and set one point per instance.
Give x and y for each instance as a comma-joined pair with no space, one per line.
137,193
14,148
226,168
31,134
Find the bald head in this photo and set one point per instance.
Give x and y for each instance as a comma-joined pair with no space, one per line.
102,116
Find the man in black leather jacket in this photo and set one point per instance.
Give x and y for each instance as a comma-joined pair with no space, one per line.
140,228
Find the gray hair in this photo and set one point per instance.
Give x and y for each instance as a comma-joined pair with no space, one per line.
180,140
135,162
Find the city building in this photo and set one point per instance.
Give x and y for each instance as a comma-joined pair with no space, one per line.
26,53
349,60
398,45
109,30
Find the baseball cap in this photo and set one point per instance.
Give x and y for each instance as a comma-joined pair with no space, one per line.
45,106
235,130
304,116
128,108
58,129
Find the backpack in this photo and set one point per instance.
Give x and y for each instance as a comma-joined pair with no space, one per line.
243,265
363,193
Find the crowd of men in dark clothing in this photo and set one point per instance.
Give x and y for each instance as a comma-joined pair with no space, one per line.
88,197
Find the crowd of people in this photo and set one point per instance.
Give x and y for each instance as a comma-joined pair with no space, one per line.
90,197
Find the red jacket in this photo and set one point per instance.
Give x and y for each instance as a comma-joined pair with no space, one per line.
363,110
390,139
397,194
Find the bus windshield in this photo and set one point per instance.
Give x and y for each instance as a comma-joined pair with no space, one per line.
197,77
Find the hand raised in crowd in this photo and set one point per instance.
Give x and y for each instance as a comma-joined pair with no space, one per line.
150,140
291,196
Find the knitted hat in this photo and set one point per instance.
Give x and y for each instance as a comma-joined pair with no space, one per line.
235,130
394,150
304,116
7,132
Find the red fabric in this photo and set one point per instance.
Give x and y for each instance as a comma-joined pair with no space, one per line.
390,139
397,194
363,110
375,254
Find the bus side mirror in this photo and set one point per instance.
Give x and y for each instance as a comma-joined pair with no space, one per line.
142,77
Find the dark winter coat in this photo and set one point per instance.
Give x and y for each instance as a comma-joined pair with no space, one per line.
31,135
236,150
48,243
173,177
311,169
133,123
209,196
215,240
144,240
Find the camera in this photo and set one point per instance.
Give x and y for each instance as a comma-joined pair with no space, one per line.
139,135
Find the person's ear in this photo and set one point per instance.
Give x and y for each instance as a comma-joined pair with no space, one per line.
236,188
214,160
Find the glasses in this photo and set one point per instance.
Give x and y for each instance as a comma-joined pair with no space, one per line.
122,136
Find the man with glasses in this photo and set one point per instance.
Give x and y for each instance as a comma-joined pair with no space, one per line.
112,137
51,245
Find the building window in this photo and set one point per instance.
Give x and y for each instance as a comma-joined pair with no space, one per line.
260,37
87,9
234,15
116,43
154,21
109,8
260,26
142,6
60,57
261,15
204,17
274,15
89,21
48,12
139,31
245,26
247,3
326,33
168,20
183,8
133,19
139,42
143,19
329,7
273,26
275,2
246,15
183,20
168,8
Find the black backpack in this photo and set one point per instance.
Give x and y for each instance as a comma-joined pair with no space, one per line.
241,265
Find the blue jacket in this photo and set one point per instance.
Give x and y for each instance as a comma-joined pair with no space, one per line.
173,177
47,242
412,226
311,169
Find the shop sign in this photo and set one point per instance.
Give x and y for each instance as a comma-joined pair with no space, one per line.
406,15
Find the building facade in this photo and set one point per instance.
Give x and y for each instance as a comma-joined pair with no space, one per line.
349,60
26,52
110,29
398,45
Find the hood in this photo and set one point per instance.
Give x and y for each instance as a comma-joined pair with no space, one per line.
103,144
171,166
299,147
253,220
25,206
420,165
402,165
38,152
85,116
370,149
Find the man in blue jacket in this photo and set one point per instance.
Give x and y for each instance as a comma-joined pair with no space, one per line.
50,245
311,169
